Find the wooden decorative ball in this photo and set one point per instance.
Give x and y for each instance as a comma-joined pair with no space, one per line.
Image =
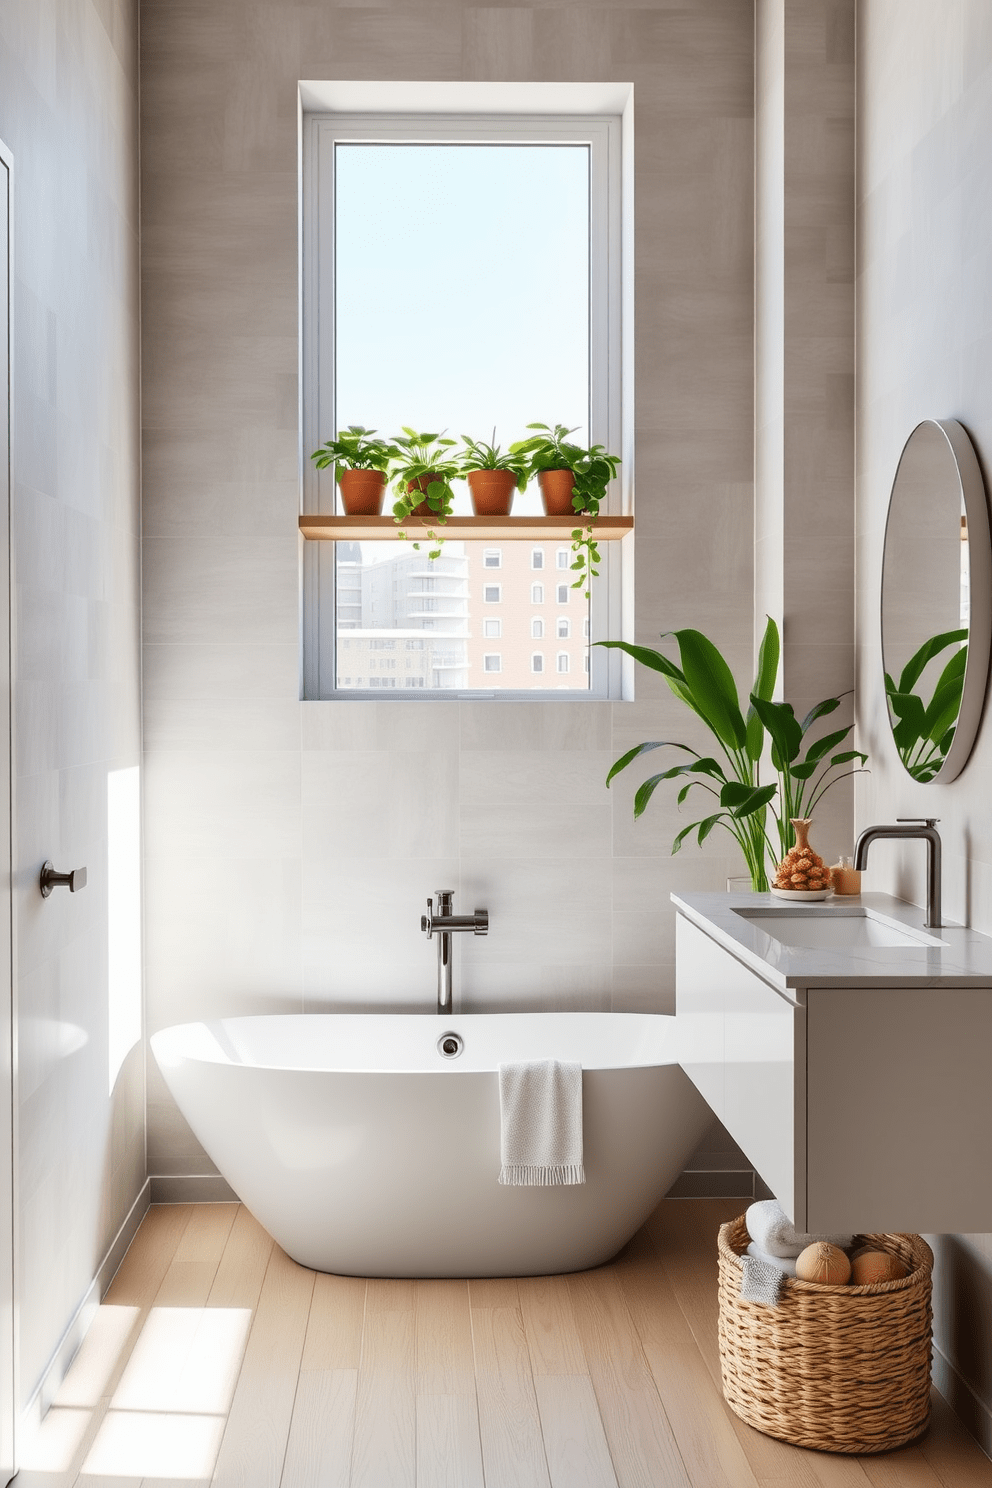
872,1266
823,1263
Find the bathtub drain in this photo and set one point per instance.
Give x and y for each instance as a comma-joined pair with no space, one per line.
450,1045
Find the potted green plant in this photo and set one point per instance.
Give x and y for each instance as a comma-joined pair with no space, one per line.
573,481
492,476
804,771
360,464
421,472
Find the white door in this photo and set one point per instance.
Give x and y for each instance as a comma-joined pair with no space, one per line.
6,1002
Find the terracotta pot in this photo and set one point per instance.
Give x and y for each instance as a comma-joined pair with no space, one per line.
362,492
492,492
424,510
556,491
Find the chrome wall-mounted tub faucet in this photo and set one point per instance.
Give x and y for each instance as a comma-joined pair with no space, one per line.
442,923
924,827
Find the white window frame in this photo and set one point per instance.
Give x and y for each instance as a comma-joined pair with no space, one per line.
492,628
486,590
537,554
539,657
488,553
537,593
598,114
489,656
537,627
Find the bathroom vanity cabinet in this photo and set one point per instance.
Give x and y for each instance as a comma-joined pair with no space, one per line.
854,1079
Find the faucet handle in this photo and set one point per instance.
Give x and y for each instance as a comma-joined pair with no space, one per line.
930,821
427,920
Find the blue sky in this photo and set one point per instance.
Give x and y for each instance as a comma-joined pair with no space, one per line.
462,288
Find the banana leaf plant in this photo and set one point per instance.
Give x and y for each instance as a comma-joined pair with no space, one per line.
923,732
803,769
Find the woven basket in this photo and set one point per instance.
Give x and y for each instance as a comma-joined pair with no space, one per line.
842,1369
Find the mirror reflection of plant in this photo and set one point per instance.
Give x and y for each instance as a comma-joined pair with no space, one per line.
804,771
478,455
355,448
592,470
419,456
923,732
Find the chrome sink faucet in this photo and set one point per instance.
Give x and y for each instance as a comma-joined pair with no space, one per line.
924,827
441,924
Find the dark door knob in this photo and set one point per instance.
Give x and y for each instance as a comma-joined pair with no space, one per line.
50,879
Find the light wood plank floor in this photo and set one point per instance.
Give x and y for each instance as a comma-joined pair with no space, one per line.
215,1360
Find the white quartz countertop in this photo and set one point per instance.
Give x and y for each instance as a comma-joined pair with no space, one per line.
963,958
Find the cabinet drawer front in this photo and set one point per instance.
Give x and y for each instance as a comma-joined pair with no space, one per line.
737,1043
699,1007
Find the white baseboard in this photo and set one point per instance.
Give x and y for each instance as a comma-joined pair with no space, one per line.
58,1366
191,1188
973,1412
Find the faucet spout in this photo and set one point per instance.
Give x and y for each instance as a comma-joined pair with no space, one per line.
924,827
443,923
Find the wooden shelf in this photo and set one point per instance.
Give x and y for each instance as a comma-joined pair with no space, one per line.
485,529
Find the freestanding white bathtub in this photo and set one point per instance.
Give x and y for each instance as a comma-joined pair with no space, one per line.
362,1150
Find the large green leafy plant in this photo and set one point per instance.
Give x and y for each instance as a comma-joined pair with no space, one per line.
803,769
924,731
592,470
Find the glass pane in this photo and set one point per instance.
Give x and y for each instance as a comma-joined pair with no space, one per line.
461,303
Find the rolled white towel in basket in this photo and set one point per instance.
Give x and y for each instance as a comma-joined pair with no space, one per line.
773,1232
540,1104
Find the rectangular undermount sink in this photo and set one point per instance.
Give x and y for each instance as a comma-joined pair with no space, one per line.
830,929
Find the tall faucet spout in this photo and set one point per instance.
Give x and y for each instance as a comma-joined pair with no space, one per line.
443,924
924,827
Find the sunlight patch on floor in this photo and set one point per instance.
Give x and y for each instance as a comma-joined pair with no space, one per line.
167,1415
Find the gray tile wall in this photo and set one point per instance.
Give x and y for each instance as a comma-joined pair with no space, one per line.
69,113
290,846
925,330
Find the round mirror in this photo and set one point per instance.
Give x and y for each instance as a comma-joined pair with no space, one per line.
936,601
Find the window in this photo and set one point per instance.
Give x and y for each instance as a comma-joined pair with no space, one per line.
537,593
537,628
562,662
562,629
537,662
492,662
563,594
492,629
562,557
364,172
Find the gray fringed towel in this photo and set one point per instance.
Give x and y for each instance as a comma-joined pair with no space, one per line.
540,1106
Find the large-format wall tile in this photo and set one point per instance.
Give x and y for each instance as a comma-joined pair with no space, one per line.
505,802
925,308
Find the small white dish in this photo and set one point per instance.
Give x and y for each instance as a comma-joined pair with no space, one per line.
808,894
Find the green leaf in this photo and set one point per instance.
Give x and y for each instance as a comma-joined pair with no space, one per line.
847,756
653,659
706,827
823,745
646,791
764,686
756,799
781,723
944,708
913,670
711,683
819,710
802,771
